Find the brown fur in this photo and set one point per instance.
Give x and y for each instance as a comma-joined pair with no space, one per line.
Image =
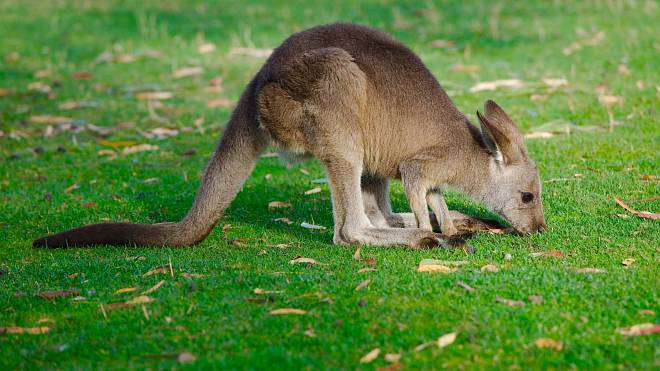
366,107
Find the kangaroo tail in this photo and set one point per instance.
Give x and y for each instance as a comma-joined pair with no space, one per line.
227,170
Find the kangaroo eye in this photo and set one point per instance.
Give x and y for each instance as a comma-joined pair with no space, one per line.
527,197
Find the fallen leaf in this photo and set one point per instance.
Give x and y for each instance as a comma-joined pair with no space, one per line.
88,204
553,253
125,290
5,92
589,270
206,48
278,204
282,311
259,291
138,300
50,119
186,357
646,312
40,87
641,214
431,265
638,330
47,295
118,144
220,102
555,83
301,260
364,270
423,346
311,226
24,330
465,286
369,357
622,69
250,52
164,269
465,68
357,256
187,72
82,75
151,181
313,191
547,343
153,288
535,299
139,148
609,100
154,95
70,188
363,284
490,268
628,262
446,339
441,43
509,302
283,220
493,85
160,133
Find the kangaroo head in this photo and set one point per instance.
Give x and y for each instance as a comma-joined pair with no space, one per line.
514,186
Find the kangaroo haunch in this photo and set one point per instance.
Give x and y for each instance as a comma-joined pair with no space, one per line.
367,107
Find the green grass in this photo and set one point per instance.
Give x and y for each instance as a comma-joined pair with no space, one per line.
211,316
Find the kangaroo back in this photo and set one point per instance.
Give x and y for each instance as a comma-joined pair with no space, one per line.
231,163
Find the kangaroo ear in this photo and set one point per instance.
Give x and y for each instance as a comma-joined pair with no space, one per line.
500,134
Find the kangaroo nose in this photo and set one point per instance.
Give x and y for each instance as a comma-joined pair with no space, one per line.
542,228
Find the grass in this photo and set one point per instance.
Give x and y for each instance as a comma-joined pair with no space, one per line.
213,314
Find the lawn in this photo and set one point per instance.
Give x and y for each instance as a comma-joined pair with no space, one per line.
82,140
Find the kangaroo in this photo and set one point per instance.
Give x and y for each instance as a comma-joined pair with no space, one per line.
367,107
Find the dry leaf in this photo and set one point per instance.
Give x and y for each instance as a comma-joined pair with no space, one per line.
555,83
125,290
5,92
40,87
161,133
186,357
465,68
259,291
509,302
139,148
465,286
609,100
622,69
364,270
357,256
220,102
82,75
493,85
440,43
283,220
70,188
547,343
154,95
641,214
138,300
313,190
187,72
251,52
278,204
638,330
153,288
117,144
282,311
206,48
423,346
535,299
301,260
553,253
392,357
24,330
589,270
446,339
430,265
490,268
363,284
628,262
311,226
47,295
50,119
369,357
164,269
